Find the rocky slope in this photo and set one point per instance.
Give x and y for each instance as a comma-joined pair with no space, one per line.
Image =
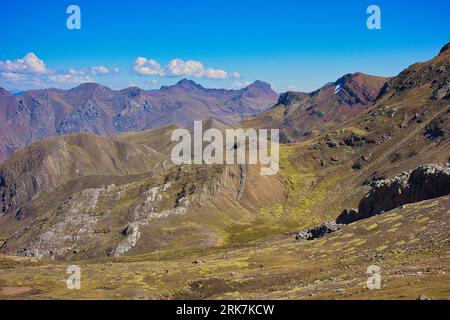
304,115
50,163
86,196
93,108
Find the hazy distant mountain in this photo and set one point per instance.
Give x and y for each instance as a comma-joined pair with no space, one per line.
94,108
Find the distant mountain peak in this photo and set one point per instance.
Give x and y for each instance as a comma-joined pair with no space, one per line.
188,84
90,87
350,77
260,84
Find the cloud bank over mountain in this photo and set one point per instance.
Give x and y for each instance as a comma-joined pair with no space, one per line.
32,72
180,68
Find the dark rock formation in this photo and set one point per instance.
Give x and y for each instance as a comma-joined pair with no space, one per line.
128,230
359,164
348,216
318,231
425,182
330,142
442,92
435,129
357,140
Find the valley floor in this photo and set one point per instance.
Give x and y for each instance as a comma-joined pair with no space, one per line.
410,244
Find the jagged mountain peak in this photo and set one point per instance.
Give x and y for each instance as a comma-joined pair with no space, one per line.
188,84
303,115
288,97
350,77
260,84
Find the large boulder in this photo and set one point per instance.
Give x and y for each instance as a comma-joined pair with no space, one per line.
318,231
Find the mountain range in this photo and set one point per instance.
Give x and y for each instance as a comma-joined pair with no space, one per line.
93,108
114,203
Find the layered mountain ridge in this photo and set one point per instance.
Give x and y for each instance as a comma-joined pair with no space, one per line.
94,108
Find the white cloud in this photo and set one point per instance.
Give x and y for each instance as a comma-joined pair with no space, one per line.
30,64
30,72
235,75
69,79
11,76
77,72
216,73
190,68
21,81
99,70
180,68
147,67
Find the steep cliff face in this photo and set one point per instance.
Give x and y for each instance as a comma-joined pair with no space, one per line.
423,183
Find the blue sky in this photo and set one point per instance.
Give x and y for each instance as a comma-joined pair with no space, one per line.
292,44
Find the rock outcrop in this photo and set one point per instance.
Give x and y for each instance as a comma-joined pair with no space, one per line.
348,216
318,231
425,182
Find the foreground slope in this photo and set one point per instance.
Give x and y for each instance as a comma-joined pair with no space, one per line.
410,245
86,196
